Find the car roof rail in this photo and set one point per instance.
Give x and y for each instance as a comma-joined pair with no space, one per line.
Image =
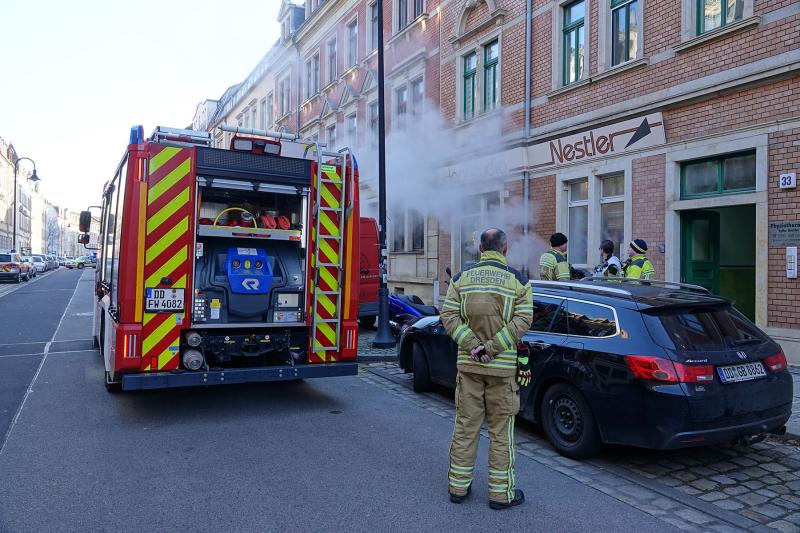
578,286
654,282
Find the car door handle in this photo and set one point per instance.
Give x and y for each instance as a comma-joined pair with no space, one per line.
539,345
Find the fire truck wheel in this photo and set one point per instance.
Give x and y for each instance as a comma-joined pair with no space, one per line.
111,385
422,374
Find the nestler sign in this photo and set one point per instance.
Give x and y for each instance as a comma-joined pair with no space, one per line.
634,134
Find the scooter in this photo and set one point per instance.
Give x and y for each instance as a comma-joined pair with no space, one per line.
404,308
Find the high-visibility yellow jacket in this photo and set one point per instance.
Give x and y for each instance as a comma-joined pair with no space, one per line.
553,266
638,267
489,303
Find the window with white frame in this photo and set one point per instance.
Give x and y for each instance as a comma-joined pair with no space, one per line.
332,66
270,116
401,104
399,231
470,70
285,95
407,231
373,122
573,41
491,59
286,29
417,97
612,210
417,223
624,31
474,221
402,14
330,137
352,44
373,26
312,76
262,122
578,222
419,8
351,127
479,90
713,14
253,117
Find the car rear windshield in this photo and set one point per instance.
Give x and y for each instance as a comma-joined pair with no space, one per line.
5,258
703,328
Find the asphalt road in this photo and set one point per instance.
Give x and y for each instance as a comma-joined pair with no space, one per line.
333,454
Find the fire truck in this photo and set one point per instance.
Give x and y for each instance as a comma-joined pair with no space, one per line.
220,266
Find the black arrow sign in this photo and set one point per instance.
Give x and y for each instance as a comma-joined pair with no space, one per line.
641,132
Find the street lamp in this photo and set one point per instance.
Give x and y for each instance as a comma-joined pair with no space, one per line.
383,337
33,178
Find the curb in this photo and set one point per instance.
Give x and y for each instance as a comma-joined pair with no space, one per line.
374,358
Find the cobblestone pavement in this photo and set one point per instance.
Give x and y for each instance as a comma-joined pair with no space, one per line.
720,488
367,353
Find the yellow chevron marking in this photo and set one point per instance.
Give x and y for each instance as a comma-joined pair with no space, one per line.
328,331
148,317
326,248
326,221
332,175
168,267
157,335
329,278
180,200
167,240
147,368
329,198
181,283
167,355
169,180
327,303
162,157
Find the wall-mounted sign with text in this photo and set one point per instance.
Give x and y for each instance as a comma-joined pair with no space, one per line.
614,139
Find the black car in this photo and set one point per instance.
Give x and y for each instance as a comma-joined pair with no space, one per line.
655,365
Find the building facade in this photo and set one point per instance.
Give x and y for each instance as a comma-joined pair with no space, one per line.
676,122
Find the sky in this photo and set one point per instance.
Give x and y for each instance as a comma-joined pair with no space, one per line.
76,75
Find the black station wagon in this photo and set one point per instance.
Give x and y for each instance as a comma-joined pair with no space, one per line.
655,365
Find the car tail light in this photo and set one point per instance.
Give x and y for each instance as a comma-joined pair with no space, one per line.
694,373
651,368
776,362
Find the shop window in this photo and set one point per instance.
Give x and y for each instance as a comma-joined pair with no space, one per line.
612,210
470,68
491,60
573,41
578,230
730,174
713,14
624,30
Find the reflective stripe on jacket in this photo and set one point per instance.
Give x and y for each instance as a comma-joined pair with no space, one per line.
639,267
489,303
553,266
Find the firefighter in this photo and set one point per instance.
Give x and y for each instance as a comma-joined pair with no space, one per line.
553,265
638,266
610,265
487,309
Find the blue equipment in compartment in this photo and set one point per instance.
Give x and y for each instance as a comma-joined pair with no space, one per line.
249,271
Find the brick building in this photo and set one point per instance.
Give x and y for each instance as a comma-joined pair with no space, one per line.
670,121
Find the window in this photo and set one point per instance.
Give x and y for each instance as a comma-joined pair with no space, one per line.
544,312
352,44
470,68
332,67
612,210
417,231
399,231
402,14
285,93
578,230
373,122
253,117
351,127
624,30
702,329
733,173
574,41
491,56
330,134
401,104
476,211
312,76
270,117
713,14
419,7
263,112
590,320
373,26
417,97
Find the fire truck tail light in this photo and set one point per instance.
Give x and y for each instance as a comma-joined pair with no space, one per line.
130,348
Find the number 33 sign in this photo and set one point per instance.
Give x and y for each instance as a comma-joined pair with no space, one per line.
788,180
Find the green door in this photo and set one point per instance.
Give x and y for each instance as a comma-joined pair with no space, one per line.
700,249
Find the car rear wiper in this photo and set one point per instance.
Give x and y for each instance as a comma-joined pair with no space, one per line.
743,342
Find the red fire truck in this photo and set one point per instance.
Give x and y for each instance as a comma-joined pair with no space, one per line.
227,265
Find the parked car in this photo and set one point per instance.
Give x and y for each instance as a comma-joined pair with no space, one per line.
62,260
39,263
13,268
70,263
52,262
656,365
31,266
86,261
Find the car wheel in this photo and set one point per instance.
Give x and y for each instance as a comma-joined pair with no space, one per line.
19,278
80,265
568,422
111,385
367,321
422,373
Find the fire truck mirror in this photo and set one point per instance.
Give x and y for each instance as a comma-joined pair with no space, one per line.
83,238
85,222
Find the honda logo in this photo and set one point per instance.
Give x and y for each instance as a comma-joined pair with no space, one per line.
741,355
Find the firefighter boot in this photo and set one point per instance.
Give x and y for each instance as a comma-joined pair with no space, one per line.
456,498
519,498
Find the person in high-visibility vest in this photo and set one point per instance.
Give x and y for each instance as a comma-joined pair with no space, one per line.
638,266
553,265
487,310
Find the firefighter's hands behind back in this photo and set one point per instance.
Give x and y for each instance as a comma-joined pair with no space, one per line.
479,355
523,370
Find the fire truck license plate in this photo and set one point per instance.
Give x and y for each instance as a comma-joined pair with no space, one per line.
163,300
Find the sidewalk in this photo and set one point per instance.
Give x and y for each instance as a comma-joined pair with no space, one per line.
793,425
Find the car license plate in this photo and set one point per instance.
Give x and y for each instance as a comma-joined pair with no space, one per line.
164,300
745,372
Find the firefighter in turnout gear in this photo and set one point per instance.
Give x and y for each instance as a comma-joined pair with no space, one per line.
488,308
638,266
553,265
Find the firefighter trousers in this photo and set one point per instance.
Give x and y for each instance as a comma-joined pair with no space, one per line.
497,399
